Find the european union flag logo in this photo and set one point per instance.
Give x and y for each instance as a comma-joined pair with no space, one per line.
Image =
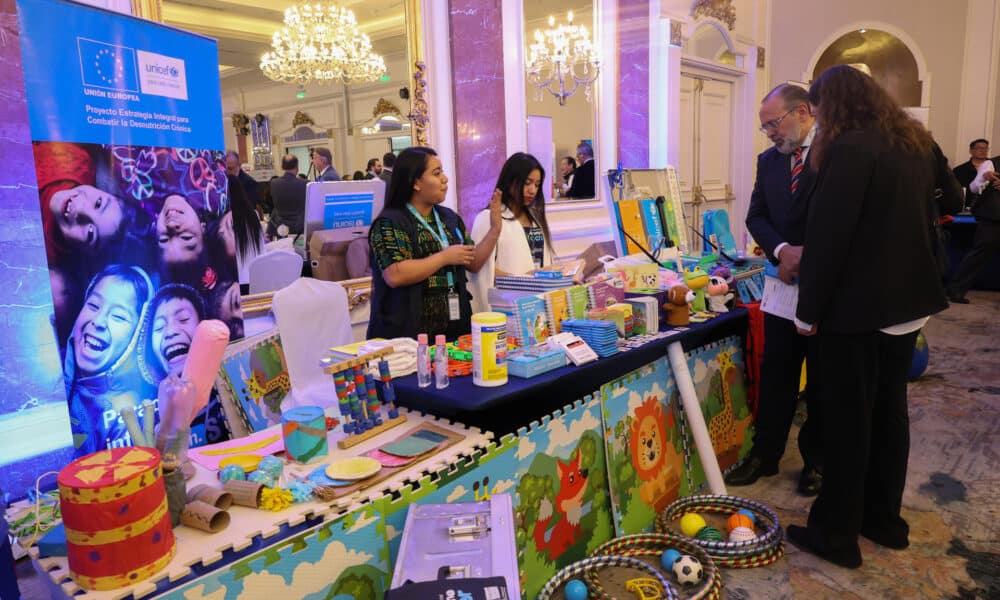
108,66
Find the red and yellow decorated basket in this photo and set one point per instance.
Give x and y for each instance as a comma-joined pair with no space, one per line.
114,509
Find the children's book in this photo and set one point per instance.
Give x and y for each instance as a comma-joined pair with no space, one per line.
533,320
252,382
557,309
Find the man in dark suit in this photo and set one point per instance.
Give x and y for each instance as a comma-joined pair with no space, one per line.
234,168
583,179
374,168
388,159
323,163
777,220
289,195
979,151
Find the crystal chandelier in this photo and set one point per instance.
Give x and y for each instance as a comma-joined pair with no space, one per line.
562,56
321,42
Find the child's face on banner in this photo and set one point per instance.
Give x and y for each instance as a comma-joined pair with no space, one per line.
174,324
179,231
105,325
88,218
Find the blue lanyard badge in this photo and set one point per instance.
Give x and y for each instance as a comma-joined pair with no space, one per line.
439,235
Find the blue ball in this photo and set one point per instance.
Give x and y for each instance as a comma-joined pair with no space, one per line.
921,356
575,590
748,513
668,558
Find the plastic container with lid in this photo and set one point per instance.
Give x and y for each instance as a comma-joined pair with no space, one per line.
489,349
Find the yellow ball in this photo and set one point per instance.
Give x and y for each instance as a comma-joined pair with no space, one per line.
691,524
739,520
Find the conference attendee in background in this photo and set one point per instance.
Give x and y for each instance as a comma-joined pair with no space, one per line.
358,176
100,371
240,233
979,152
985,204
567,167
583,179
374,168
289,195
777,220
323,163
235,168
525,242
420,253
867,290
388,159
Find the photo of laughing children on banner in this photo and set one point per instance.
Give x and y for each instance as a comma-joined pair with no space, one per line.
137,253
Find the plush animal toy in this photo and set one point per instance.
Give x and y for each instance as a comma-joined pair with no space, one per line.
697,280
678,307
718,294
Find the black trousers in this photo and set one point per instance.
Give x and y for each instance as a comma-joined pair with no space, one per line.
780,374
865,434
985,244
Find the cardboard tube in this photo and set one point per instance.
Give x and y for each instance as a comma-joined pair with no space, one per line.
245,493
692,410
204,516
208,494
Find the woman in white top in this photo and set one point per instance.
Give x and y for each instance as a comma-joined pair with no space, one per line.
525,243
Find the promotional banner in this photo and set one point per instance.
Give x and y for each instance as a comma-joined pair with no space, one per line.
126,123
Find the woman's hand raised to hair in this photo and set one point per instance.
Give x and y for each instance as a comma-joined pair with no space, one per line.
496,206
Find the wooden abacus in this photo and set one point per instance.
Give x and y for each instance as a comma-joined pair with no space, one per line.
358,399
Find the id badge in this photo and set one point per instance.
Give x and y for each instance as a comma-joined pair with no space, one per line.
453,307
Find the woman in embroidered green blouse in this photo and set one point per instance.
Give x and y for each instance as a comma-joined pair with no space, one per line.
420,253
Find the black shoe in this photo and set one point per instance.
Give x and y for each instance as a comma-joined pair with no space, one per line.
750,471
810,481
897,540
849,558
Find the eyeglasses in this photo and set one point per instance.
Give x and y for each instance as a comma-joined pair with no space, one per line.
773,123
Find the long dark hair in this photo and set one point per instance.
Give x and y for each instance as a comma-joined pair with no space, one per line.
246,225
409,167
847,99
514,173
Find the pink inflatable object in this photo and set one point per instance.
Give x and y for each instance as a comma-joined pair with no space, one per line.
204,359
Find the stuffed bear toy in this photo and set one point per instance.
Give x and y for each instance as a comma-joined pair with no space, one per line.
677,307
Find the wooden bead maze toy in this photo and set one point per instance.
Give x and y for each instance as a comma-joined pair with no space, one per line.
358,396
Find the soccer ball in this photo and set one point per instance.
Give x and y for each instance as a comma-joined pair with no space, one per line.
688,570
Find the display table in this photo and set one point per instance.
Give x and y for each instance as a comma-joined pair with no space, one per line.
507,408
251,530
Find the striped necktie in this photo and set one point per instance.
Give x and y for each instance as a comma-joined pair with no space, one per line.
797,168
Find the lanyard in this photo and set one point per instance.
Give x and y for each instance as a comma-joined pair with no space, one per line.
439,235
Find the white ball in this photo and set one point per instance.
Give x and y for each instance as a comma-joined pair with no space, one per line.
741,534
688,570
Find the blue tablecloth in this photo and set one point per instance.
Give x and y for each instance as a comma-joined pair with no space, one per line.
507,408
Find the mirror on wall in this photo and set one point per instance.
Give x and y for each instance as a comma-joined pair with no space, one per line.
561,134
356,123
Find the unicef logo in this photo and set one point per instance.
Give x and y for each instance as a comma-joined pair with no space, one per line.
173,71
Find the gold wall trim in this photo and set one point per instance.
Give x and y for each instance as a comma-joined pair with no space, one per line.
419,114
722,10
151,10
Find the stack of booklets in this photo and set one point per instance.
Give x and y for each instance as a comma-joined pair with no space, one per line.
527,315
604,293
646,314
531,283
579,301
556,308
602,336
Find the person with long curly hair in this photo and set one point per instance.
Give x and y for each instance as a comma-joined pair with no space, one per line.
867,284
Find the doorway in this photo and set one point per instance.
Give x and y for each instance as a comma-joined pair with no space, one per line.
706,118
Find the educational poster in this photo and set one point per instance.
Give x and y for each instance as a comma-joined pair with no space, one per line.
718,373
126,126
645,445
557,477
346,556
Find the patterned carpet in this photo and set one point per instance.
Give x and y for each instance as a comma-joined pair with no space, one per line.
951,489
951,493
